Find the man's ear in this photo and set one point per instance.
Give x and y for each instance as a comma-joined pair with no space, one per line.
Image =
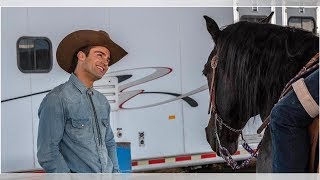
81,56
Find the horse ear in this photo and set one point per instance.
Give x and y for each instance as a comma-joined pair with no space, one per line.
267,20
212,27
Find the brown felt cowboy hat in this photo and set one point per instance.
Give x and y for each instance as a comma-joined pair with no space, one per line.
73,42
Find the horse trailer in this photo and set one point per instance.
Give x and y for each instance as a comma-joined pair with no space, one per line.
158,95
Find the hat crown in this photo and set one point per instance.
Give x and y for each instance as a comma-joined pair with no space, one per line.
105,33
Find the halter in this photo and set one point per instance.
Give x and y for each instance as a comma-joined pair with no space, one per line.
225,154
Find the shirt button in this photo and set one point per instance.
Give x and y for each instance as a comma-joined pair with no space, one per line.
82,125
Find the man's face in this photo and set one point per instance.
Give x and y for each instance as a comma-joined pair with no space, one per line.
96,63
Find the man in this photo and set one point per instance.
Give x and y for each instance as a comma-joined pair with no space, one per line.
74,131
289,129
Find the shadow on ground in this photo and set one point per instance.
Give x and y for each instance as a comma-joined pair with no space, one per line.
211,168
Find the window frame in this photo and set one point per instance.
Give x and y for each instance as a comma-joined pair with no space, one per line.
305,17
254,16
34,70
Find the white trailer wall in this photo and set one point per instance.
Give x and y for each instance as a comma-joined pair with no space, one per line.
175,38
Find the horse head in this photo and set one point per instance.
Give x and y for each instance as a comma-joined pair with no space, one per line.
255,60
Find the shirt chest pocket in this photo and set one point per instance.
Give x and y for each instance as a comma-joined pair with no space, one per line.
79,130
103,117
79,124
105,122
103,114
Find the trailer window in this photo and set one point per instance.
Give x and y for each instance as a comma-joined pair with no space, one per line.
252,18
34,54
306,23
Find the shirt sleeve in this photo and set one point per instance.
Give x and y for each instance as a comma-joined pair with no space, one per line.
112,147
50,132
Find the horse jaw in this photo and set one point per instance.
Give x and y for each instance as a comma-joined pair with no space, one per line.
231,146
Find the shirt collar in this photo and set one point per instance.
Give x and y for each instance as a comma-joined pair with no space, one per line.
77,83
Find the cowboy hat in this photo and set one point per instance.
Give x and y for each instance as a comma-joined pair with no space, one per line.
73,42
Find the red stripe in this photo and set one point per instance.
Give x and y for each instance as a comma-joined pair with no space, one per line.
134,163
211,155
157,161
41,171
237,153
183,158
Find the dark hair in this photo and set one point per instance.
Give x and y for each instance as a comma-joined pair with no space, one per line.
85,50
258,60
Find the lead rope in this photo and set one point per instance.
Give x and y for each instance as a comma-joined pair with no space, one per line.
225,154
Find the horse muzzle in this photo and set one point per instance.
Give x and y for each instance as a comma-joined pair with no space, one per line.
231,146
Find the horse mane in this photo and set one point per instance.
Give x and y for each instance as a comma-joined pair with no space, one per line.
257,60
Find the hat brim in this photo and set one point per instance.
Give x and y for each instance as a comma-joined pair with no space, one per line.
82,38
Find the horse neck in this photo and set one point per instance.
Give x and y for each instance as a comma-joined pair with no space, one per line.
284,75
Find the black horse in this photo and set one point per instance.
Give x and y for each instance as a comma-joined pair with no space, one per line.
255,61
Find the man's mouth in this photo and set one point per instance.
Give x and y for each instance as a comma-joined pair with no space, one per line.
101,68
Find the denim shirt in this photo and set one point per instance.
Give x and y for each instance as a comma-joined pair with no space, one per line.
74,132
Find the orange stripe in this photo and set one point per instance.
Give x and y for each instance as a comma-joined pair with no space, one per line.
183,158
157,161
211,155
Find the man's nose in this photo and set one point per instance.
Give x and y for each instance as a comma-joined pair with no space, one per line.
105,62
